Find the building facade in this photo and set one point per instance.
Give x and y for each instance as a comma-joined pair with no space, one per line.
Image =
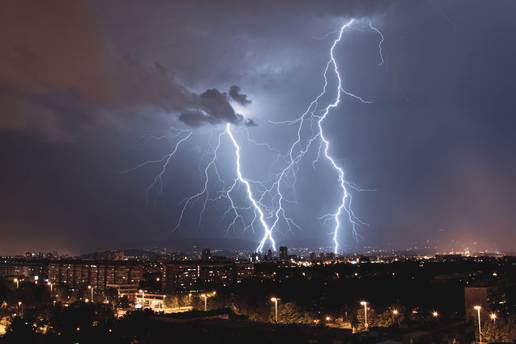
98,274
202,275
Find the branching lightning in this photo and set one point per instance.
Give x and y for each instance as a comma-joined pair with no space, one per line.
250,196
204,192
372,27
266,201
164,161
300,147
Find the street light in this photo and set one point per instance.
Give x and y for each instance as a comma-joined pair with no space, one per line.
143,298
395,314
478,308
17,281
275,300
205,296
364,303
91,292
435,314
51,285
493,316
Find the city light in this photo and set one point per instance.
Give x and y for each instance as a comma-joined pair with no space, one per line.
478,309
205,296
91,292
195,273
364,303
275,300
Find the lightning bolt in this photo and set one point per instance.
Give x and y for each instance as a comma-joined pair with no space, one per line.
164,161
326,143
372,27
268,203
204,192
250,196
313,118
256,205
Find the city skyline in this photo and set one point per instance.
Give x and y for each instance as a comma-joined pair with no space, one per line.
92,91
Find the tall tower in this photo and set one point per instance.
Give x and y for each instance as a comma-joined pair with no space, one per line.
283,252
206,254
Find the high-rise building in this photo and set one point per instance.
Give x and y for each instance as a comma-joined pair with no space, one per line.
182,276
283,252
98,274
23,268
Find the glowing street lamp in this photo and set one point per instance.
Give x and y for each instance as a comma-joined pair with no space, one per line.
492,316
478,308
275,300
435,314
51,285
395,314
141,291
91,292
17,281
364,303
205,297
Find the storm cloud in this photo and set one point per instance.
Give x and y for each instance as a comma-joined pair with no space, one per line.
213,107
93,77
59,74
234,93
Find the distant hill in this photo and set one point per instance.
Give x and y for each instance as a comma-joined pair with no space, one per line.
132,252
196,243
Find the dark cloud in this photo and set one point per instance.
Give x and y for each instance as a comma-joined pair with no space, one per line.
250,122
234,93
196,118
58,74
217,106
213,107
64,66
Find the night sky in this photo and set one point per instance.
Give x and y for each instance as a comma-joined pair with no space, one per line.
90,89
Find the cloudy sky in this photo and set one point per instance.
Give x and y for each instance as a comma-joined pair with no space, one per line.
91,89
